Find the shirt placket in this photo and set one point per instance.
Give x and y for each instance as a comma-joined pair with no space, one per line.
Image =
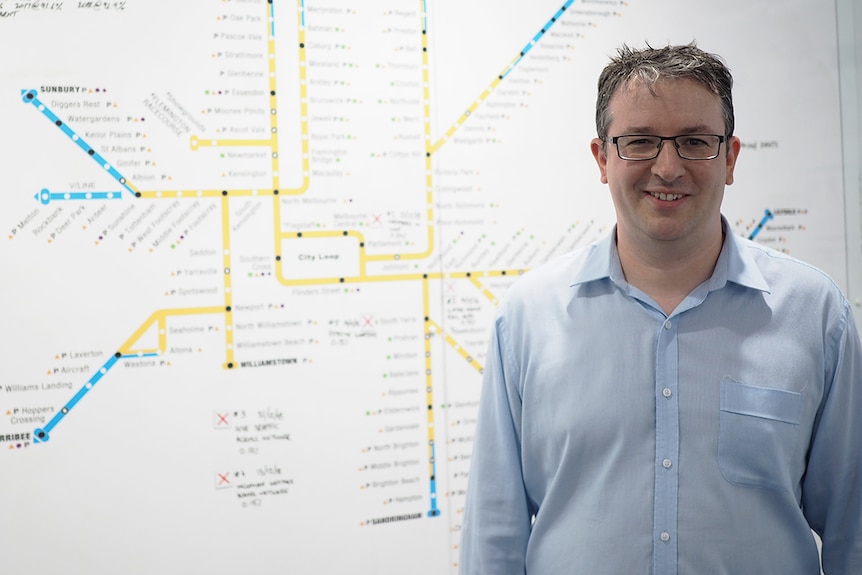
666,448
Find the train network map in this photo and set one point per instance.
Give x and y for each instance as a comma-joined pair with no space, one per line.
252,249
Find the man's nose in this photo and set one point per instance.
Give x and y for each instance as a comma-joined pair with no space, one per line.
668,165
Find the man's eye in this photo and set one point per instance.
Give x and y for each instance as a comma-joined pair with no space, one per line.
694,142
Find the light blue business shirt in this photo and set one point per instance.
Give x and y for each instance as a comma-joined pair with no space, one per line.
614,439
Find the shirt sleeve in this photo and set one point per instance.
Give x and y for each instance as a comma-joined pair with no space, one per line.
497,519
832,488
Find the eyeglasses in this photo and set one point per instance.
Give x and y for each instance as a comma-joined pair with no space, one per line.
688,146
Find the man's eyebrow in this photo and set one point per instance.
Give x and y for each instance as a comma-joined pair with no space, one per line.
699,129
648,131
638,130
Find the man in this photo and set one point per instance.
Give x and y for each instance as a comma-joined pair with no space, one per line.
674,398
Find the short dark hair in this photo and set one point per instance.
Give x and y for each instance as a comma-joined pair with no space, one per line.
652,64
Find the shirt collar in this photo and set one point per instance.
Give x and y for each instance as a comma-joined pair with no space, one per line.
735,263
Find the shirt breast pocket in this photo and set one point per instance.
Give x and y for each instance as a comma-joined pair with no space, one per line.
758,431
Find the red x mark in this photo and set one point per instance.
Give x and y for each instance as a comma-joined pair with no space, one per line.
368,320
222,418
222,478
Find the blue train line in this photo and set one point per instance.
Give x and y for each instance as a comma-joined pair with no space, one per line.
46,196
434,512
272,17
30,97
538,37
43,434
767,216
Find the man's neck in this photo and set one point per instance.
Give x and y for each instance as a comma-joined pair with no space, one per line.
667,271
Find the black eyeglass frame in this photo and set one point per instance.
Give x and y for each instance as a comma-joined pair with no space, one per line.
661,141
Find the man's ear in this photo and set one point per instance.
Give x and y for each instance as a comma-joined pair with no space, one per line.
733,147
597,147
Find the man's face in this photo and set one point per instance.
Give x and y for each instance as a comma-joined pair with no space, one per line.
689,214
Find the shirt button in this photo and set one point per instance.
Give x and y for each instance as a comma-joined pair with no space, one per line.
665,536
668,324
666,463
666,392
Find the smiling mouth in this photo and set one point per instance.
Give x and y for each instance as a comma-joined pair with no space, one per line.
665,197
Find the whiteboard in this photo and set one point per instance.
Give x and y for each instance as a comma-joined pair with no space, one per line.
252,252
